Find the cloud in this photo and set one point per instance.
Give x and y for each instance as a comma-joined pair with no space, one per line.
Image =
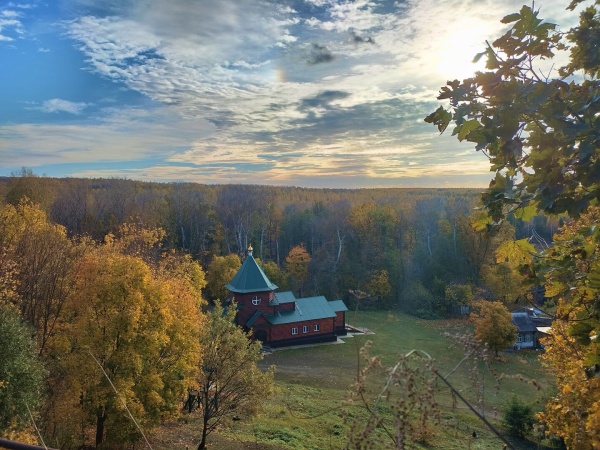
57,105
358,39
9,22
319,54
259,90
323,99
118,134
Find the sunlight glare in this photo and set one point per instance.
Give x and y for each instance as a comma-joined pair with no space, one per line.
455,55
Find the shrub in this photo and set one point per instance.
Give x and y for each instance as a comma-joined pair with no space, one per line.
518,418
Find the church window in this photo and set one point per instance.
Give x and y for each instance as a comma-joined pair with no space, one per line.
256,300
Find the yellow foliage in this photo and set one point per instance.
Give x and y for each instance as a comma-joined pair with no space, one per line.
574,412
493,325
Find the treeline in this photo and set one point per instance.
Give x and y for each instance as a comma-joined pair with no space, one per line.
394,248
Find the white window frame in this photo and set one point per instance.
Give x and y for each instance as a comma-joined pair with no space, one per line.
294,330
256,300
520,338
305,328
316,327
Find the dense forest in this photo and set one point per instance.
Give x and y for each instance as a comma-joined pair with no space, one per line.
401,248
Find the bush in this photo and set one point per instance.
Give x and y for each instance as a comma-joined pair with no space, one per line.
518,418
427,314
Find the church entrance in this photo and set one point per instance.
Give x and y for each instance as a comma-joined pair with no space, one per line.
262,336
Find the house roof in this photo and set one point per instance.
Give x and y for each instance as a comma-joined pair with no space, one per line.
310,308
250,278
523,322
337,305
284,297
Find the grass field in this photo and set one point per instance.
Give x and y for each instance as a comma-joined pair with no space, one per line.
311,408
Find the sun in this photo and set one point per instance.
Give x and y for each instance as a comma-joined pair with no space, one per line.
459,45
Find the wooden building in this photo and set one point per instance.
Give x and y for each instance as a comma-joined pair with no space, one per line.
279,318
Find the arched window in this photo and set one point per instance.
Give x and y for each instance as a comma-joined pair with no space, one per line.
256,300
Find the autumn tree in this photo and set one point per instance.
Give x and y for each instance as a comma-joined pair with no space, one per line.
493,325
296,264
540,129
25,184
131,327
220,271
275,274
572,272
230,382
21,371
41,259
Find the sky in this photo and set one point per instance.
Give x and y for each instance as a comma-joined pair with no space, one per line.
311,93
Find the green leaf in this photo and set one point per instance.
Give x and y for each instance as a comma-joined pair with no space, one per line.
526,213
440,117
511,18
467,127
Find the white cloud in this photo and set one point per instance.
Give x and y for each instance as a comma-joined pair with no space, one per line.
57,105
118,135
235,72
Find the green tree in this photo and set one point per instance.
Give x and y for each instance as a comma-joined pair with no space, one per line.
541,131
517,417
230,382
456,295
493,325
21,372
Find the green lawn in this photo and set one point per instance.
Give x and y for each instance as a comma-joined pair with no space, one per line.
311,408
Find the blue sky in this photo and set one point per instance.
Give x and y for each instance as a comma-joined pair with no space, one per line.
314,93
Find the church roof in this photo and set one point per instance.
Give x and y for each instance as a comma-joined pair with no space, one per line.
309,308
250,278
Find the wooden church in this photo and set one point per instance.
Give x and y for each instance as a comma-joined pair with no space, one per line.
279,318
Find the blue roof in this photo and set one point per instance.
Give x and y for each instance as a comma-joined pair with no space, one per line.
337,305
250,278
310,308
284,297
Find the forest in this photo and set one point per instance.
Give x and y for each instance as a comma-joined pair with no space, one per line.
116,278
401,246
108,281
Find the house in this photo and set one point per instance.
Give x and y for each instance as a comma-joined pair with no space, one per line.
526,329
541,321
279,318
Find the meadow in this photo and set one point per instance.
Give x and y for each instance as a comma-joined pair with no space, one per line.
311,410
